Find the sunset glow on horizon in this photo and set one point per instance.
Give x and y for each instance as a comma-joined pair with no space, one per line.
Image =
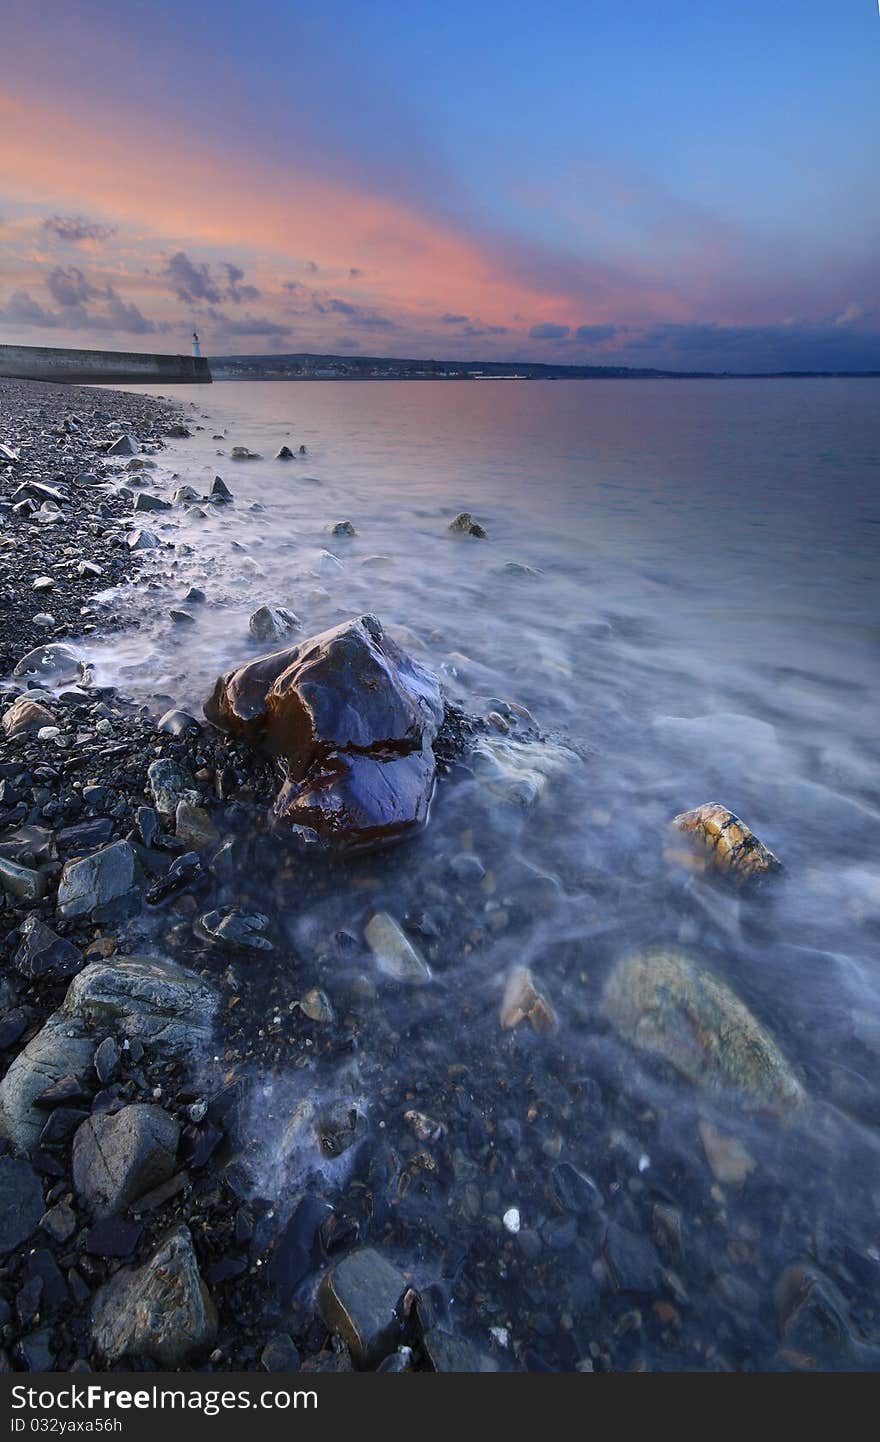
597,188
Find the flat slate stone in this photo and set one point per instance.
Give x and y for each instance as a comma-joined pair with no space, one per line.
21,1202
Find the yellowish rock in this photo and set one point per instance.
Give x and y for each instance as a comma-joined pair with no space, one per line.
724,843
523,1001
729,1161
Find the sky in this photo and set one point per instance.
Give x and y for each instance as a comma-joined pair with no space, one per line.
687,184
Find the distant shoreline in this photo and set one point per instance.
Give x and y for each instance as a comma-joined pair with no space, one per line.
307,366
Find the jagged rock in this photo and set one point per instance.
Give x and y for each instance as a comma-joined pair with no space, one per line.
663,1003
285,454
272,623
235,929
21,1202
523,1001
56,663
220,492
162,1310
351,719
42,952
358,1299
342,528
170,784
394,952
143,998
120,1157
184,494
466,525
25,716
727,844
93,883
125,446
141,540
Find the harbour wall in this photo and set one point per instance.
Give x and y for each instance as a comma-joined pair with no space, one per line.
100,367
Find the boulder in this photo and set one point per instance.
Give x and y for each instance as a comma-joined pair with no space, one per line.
25,716
155,1001
91,884
162,1310
120,1157
145,501
350,718
666,1005
725,844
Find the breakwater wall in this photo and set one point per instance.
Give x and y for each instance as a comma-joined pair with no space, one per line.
100,367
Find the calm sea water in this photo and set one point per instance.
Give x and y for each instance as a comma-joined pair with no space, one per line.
681,585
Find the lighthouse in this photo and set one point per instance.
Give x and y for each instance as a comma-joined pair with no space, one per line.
196,347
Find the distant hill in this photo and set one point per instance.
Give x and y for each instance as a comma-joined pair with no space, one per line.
306,365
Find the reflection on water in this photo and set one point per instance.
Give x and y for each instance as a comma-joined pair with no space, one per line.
680,585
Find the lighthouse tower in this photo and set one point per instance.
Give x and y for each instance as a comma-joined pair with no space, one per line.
196,346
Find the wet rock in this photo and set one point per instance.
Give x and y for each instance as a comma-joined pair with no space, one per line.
241,453
299,1251
181,618
272,623
394,952
178,723
351,719
41,952
143,998
727,845
358,1299
445,1352
162,1310
523,1001
280,1354
663,1003
169,784
185,494
119,1158
93,883
194,827
56,664
285,454
465,524
728,1159
342,528
236,929
813,1316
35,1351
21,881
24,717
316,1006
21,1202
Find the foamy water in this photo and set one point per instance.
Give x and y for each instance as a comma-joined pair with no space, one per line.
681,585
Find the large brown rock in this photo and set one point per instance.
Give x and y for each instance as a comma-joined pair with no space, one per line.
162,1310
350,718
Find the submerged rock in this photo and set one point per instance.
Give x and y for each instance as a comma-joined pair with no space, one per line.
465,524
394,952
241,453
162,1310
285,454
666,1005
350,718
516,772
727,844
523,1001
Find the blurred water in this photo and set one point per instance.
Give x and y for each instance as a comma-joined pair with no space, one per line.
681,585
